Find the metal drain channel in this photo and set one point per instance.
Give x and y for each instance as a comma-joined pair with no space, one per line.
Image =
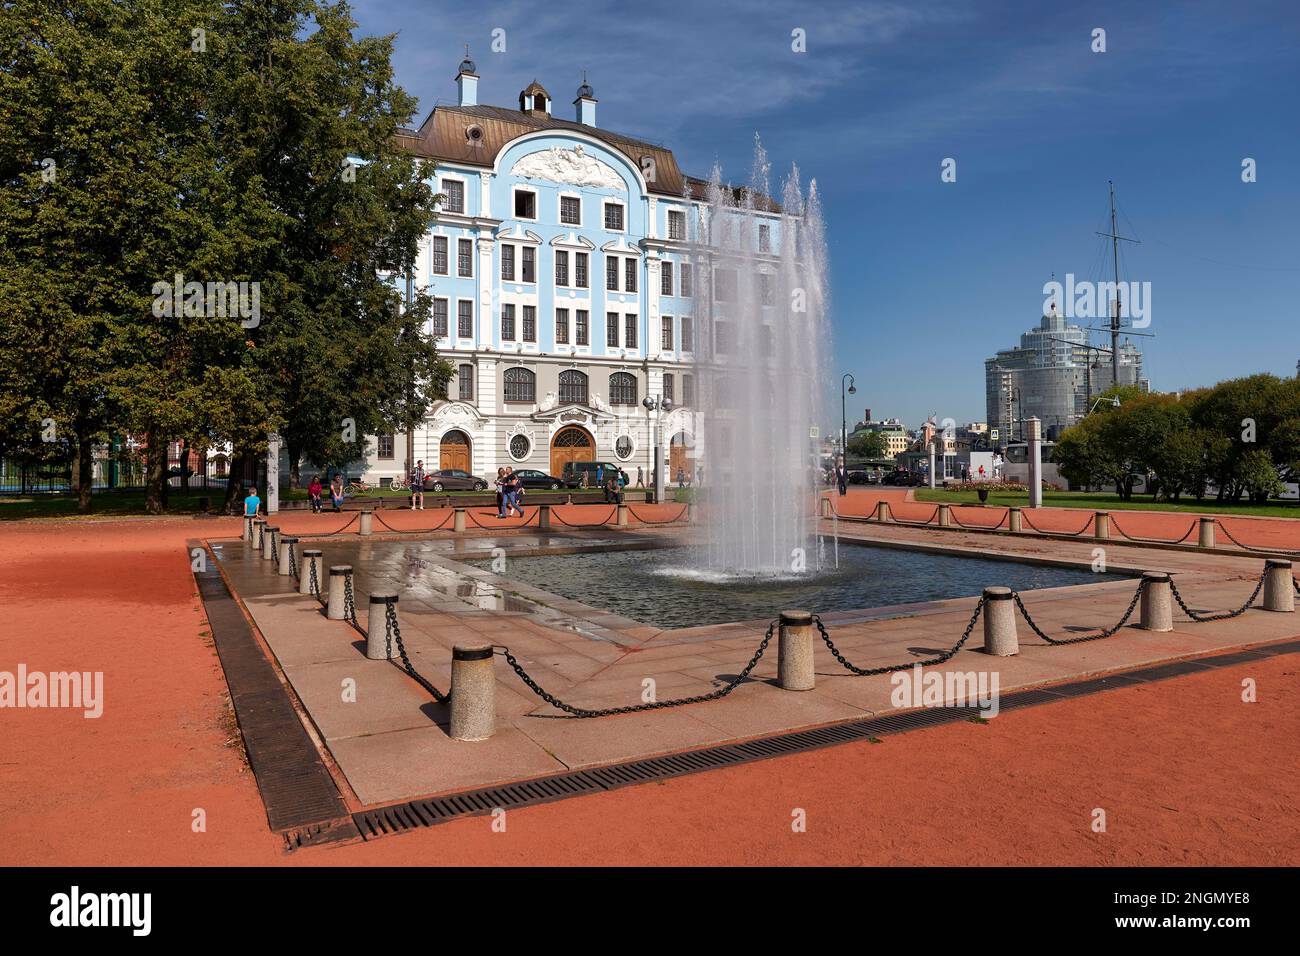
417,814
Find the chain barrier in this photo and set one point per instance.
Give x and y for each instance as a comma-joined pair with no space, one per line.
275,553
537,510
1108,632
889,668
293,561
636,708
1245,547
350,604
451,513
1115,524
1006,517
1200,618
681,514
594,524
329,534
918,524
393,632
314,581
1024,516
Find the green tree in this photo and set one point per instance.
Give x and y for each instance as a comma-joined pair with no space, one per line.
867,444
313,113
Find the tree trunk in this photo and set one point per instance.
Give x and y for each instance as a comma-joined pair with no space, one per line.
84,475
185,462
155,501
295,463
234,481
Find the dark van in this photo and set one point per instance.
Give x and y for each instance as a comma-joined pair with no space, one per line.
574,470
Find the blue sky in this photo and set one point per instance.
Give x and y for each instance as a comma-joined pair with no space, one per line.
930,278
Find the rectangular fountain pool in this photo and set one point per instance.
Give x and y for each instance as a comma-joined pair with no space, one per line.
659,587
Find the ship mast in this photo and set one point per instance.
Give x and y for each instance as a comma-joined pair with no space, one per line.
1114,237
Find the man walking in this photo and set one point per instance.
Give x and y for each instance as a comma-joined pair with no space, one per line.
841,477
417,485
640,477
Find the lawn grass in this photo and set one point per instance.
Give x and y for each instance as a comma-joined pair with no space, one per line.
131,503
1109,501
116,504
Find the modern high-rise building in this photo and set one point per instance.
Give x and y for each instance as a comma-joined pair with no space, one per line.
1054,375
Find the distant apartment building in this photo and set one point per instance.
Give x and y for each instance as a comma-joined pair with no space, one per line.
892,430
1054,375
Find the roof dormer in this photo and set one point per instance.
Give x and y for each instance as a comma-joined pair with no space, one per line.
535,100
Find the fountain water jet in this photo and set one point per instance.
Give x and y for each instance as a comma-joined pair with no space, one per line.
761,344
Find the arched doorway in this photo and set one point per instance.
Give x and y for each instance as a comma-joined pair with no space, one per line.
680,455
570,444
454,451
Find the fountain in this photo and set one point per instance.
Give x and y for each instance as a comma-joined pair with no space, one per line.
761,346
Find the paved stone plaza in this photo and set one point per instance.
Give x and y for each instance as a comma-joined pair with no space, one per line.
392,743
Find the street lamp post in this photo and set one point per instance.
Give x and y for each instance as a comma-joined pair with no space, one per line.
848,379
652,407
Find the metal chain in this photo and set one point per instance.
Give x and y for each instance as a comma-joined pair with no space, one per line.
1245,547
636,708
872,671
393,632
1226,614
1115,524
275,553
314,584
293,561
1108,632
349,603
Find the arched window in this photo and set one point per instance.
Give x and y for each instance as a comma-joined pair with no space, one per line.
521,385
622,389
573,387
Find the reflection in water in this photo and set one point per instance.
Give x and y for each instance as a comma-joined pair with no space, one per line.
664,588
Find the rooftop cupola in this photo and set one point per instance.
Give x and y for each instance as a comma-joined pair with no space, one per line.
586,103
467,82
535,100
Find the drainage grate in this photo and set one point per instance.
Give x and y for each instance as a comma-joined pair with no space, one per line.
300,797
418,814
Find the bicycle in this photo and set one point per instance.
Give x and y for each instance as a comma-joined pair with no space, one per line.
356,487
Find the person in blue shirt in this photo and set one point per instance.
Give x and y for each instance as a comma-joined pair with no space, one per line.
251,503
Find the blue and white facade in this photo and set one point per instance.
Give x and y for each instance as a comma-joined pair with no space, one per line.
563,289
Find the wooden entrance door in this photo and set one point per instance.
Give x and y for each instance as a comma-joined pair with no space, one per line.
679,456
454,451
570,444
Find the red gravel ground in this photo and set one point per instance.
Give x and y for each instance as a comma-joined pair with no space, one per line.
1186,772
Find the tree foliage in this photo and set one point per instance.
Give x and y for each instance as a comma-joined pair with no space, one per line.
143,140
1240,437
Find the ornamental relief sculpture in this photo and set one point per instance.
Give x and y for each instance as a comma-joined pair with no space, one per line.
572,166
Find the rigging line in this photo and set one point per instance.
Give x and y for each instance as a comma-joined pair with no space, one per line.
1219,262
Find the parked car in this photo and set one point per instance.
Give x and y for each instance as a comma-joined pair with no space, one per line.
907,479
864,478
532,478
574,470
453,479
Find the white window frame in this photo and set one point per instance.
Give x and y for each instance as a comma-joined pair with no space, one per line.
613,202
514,214
464,191
473,320
432,258
559,209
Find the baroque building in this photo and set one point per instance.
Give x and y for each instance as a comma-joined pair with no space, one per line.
560,270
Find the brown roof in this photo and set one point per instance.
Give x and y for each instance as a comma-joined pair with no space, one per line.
442,136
